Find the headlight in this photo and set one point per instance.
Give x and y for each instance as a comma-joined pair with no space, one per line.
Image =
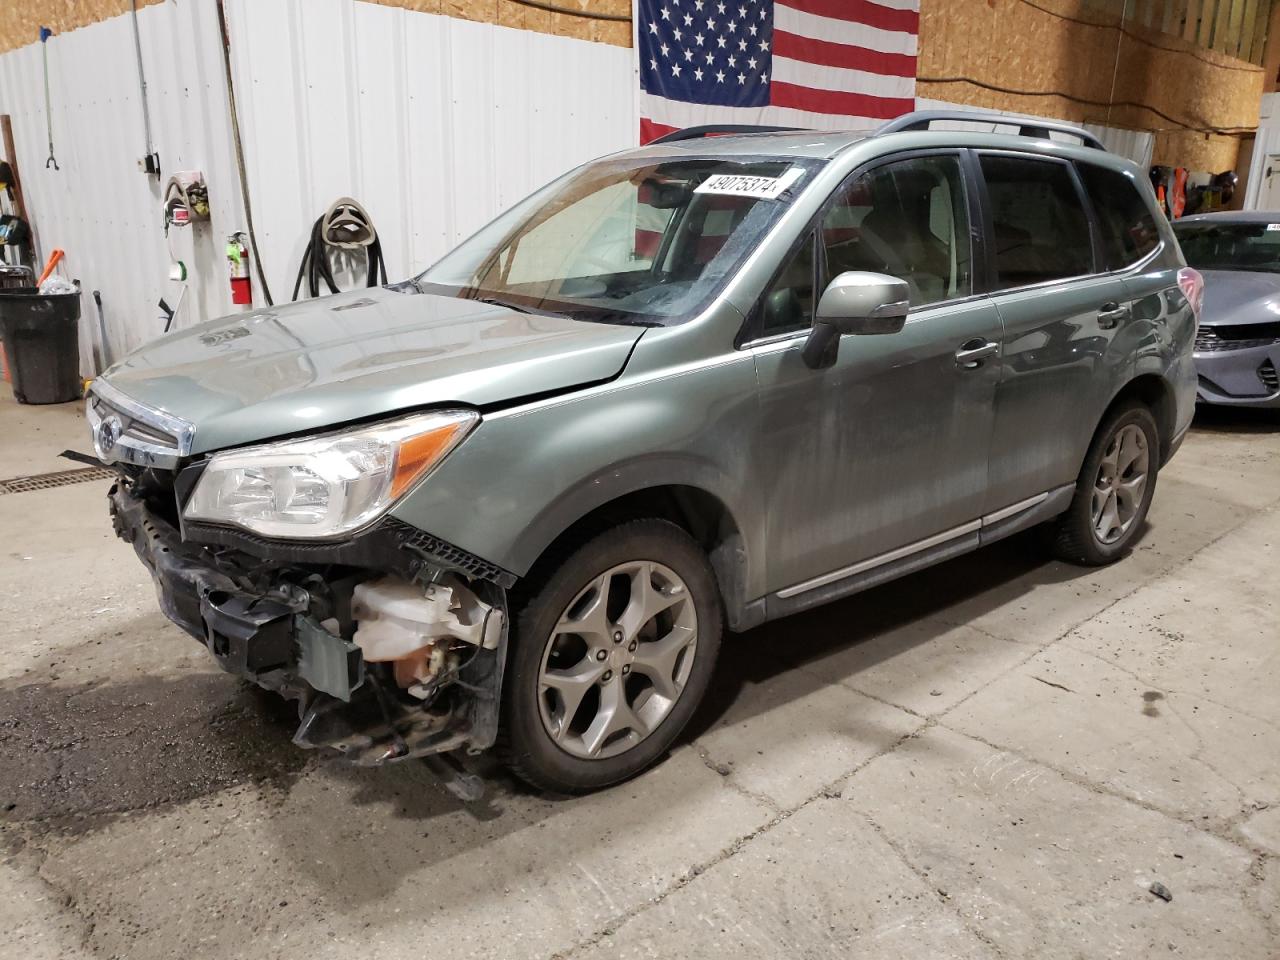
328,485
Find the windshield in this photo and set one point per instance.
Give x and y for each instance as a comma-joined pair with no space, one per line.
1231,246
630,241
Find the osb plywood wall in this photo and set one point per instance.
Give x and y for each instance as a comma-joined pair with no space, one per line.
605,21
21,20
1065,59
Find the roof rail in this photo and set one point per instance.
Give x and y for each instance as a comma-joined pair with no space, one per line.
1027,126
717,129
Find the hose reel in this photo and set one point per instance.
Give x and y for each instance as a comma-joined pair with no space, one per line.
346,226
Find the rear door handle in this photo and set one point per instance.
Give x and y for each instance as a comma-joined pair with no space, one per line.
973,352
1109,314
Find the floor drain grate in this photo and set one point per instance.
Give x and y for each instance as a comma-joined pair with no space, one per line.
62,478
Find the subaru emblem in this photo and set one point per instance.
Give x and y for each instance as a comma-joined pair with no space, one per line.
107,435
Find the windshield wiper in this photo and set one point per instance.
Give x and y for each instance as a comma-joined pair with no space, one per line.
499,302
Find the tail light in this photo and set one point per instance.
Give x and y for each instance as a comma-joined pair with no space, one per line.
1192,285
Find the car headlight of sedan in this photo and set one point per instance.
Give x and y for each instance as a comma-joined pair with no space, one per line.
327,485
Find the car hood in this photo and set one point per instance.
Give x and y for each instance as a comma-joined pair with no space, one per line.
1240,296
311,365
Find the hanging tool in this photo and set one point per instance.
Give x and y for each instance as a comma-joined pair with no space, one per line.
171,312
54,259
102,331
45,34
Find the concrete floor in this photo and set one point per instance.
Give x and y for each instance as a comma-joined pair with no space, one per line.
996,758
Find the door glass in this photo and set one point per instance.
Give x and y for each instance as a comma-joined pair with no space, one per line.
788,304
907,219
1041,232
1128,229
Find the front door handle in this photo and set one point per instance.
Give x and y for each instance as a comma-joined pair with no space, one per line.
973,352
1111,313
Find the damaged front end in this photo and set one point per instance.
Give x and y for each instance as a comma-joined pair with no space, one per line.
392,642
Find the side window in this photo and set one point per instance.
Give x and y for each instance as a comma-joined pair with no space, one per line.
1041,231
908,219
788,304
1129,230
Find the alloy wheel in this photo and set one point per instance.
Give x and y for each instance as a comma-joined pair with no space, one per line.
617,660
1120,483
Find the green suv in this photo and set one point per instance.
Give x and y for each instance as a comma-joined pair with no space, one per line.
517,501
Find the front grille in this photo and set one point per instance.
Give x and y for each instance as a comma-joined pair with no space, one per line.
1236,336
134,428
1267,374
125,430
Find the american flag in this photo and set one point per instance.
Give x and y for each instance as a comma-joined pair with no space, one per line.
824,64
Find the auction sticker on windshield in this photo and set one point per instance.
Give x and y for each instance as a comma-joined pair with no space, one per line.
760,188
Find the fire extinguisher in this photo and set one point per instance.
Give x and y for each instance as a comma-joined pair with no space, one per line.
238,264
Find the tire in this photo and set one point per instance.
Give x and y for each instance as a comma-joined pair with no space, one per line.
1075,536
626,715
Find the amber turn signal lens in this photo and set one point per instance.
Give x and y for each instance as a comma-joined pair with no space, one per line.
417,454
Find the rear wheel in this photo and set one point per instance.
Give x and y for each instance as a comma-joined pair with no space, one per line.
1114,490
610,657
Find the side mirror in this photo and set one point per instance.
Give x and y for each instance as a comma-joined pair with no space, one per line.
859,304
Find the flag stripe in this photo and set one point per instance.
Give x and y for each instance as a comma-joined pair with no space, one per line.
817,27
843,55
897,4
663,116
651,130
839,103
858,11
819,78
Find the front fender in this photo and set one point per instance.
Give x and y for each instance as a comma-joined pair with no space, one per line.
527,474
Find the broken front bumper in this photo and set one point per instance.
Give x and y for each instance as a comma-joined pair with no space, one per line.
280,635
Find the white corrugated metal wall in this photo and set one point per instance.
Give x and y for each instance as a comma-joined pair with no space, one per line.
434,124
98,207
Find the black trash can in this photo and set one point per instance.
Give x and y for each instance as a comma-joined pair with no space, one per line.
42,344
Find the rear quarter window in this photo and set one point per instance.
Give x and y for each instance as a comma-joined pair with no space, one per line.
1129,230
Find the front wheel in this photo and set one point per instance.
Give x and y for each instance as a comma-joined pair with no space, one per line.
610,657
1114,490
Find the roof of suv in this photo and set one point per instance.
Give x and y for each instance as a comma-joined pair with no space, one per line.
816,144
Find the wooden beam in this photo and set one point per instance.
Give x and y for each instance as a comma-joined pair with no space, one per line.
1189,27
1233,28
1247,29
1261,28
1204,32
1221,22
